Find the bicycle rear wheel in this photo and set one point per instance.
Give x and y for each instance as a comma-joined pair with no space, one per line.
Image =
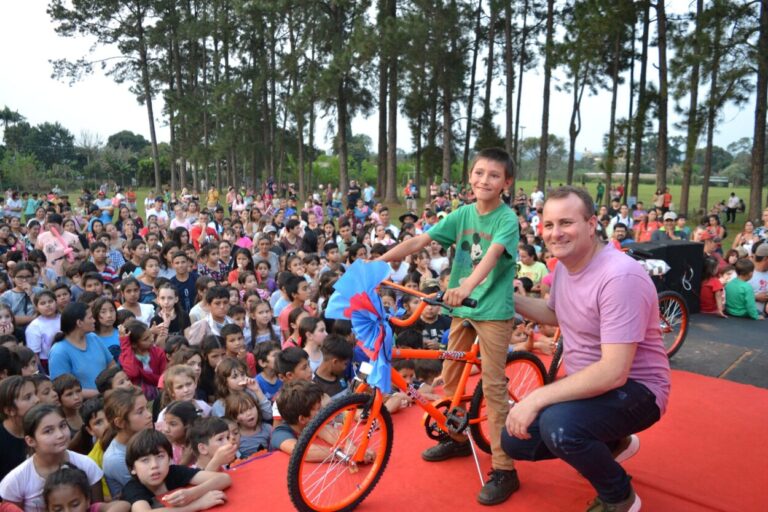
334,483
525,372
673,320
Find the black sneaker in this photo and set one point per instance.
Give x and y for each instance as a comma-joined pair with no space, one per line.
499,487
445,450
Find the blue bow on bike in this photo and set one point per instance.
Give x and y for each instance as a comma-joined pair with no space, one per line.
355,299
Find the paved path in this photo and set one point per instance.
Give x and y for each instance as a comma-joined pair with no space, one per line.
730,348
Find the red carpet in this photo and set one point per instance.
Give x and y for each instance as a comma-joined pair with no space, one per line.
706,453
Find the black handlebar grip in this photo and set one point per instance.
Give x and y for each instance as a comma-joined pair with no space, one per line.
470,303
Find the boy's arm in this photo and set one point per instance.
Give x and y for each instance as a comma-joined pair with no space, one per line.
403,249
454,296
203,482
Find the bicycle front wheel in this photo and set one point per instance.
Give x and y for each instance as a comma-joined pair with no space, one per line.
525,372
330,481
673,320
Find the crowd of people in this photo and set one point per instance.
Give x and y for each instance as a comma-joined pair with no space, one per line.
143,355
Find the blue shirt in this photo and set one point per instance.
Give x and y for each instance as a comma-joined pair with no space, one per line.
269,389
83,364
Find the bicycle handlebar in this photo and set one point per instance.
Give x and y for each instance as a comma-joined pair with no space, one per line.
426,300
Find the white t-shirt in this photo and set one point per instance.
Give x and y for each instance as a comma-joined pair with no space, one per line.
24,485
147,313
537,197
759,283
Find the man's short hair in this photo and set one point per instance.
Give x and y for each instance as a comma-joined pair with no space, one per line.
563,191
298,398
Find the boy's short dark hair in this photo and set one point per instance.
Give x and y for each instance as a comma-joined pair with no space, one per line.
298,398
146,442
91,408
338,347
123,315
92,276
235,310
97,245
410,338
744,267
292,285
216,292
330,246
104,379
497,155
88,297
428,368
180,254
399,364
85,267
229,330
262,350
342,328
64,382
288,359
203,429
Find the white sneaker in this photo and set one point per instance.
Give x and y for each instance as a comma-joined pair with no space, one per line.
627,453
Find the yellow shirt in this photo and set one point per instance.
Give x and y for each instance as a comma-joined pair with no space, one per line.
97,455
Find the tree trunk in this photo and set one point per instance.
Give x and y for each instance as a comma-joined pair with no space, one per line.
341,137
520,72
391,178
611,149
447,132
431,133
417,136
692,135
761,97
491,43
628,149
642,104
548,58
712,106
384,64
300,135
147,86
662,151
575,125
509,84
471,97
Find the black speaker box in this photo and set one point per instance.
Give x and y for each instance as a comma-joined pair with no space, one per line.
686,260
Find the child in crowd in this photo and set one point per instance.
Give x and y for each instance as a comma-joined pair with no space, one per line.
44,389
69,489
255,431
47,433
294,319
210,443
711,297
17,397
297,291
41,331
263,328
170,317
266,355
155,480
311,336
179,416
739,295
142,361
298,402
213,352
232,376
131,292
95,426
70,394
234,346
127,413
180,385
110,379
105,320
337,353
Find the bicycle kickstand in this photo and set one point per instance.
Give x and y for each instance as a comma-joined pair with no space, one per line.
477,461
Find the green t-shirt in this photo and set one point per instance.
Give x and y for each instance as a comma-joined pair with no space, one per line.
473,234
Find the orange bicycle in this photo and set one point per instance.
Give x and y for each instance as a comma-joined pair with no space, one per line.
363,426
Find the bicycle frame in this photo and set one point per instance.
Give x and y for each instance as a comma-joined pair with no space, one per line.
471,357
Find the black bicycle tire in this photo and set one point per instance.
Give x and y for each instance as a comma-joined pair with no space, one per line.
475,430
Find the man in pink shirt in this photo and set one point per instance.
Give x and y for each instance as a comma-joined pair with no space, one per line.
617,379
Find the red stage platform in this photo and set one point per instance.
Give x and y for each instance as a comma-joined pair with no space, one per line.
706,453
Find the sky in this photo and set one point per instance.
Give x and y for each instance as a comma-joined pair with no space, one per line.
99,107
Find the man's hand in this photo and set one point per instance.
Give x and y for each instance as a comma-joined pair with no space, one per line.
520,418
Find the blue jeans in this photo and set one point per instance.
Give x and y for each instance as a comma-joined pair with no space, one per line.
584,432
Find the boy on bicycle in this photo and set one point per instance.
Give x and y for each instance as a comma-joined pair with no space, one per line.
486,235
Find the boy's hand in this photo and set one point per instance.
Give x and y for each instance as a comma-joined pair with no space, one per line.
453,297
121,331
212,499
224,455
